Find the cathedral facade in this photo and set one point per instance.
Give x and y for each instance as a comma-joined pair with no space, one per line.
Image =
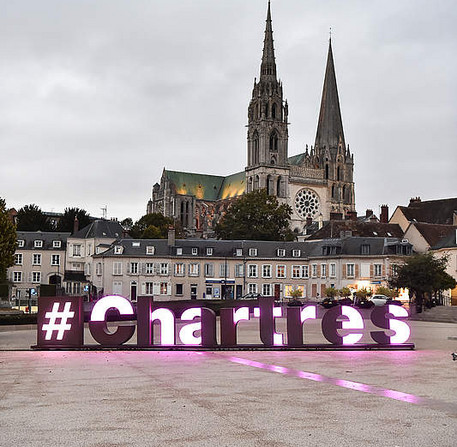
317,184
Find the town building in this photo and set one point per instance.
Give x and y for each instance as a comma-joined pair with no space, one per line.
315,183
198,268
39,259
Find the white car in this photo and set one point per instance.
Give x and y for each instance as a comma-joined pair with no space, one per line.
379,300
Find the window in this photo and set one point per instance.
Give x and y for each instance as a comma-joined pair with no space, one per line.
239,252
117,268
194,251
364,249
55,259
179,252
76,266
350,270
18,259
98,269
179,289
224,270
163,268
313,270
194,269
17,276
89,249
136,244
378,270
38,244
266,271
209,251
56,244
323,270
280,271
253,252
252,288
209,270
20,243
36,259
267,290
296,253
239,270
305,271
87,268
149,268
164,288
280,252
77,250
150,250
252,271
179,269
149,288
134,268
36,277
332,270
296,271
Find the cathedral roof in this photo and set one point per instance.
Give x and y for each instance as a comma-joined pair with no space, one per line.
330,125
297,160
207,187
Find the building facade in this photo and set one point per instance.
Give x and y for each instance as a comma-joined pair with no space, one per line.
191,269
315,183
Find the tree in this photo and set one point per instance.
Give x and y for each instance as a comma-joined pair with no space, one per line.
127,223
256,216
331,292
8,239
67,221
151,226
31,218
385,291
423,274
345,292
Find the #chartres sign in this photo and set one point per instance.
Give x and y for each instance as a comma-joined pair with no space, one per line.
61,325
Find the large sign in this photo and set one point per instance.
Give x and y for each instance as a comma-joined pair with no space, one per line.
160,325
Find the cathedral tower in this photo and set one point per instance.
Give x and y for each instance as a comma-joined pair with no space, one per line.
267,164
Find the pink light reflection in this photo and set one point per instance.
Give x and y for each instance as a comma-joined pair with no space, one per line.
356,386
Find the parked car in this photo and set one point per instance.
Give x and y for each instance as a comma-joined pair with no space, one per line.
382,300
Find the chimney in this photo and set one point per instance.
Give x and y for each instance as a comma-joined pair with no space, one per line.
368,213
351,215
171,236
75,225
336,216
384,214
414,200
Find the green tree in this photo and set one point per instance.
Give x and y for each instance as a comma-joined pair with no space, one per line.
127,223
256,216
151,226
8,239
345,292
67,221
385,291
331,292
423,275
31,218
362,293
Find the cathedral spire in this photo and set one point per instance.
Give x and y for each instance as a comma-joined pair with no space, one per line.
268,66
330,126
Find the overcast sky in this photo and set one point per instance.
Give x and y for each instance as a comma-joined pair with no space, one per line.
97,97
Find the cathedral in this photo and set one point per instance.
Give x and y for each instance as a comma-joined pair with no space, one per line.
317,184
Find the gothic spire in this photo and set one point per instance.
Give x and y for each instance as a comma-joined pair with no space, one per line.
330,125
268,66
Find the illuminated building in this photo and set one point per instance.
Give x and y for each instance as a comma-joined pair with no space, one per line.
315,183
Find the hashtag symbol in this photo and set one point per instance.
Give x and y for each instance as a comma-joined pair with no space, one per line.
53,316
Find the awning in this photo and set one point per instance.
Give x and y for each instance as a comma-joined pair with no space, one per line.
220,281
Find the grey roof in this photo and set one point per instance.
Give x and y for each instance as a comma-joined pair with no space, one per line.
48,238
100,229
350,246
450,241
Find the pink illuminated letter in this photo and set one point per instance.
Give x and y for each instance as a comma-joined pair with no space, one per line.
355,322
186,334
167,325
402,330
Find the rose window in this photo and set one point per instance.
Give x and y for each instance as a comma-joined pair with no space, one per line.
306,203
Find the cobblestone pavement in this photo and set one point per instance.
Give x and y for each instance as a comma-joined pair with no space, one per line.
249,398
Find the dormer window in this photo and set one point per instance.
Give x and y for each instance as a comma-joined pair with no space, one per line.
38,244
136,244
179,251
118,250
296,253
364,249
194,251
56,244
209,251
239,252
150,250
253,252
20,243
280,252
